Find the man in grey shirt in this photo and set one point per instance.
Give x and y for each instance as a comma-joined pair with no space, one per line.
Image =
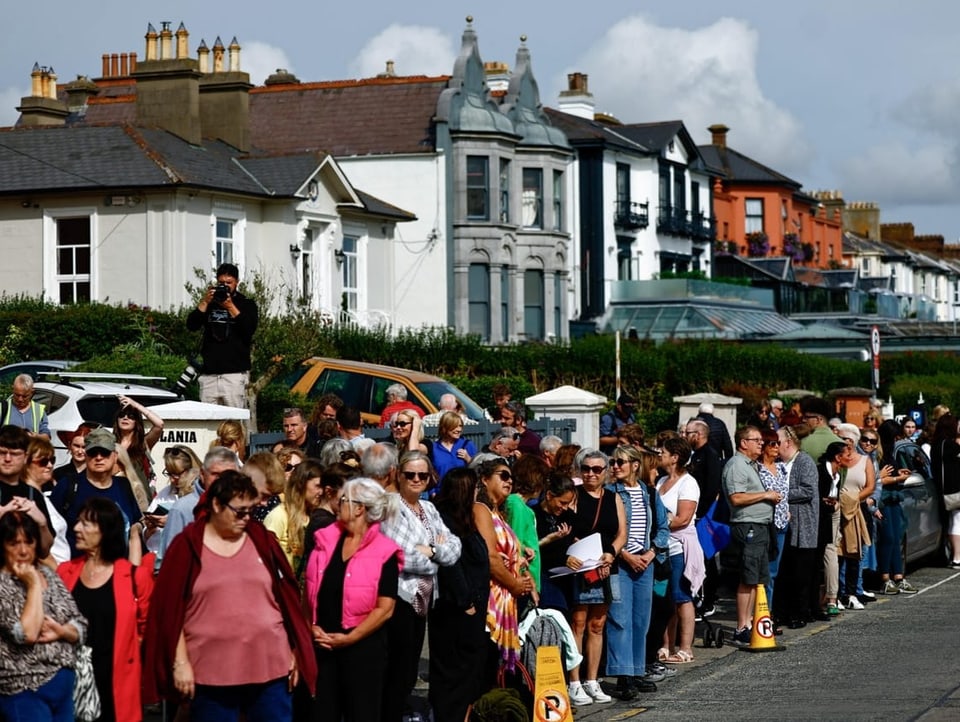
751,512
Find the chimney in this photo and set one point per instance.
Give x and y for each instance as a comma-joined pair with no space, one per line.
498,76
183,50
168,89
166,41
390,71
203,57
225,99
576,99
78,92
718,135
282,77
118,65
41,107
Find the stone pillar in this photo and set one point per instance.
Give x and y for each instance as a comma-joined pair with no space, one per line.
570,402
724,408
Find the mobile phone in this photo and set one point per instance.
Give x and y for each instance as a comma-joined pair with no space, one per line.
159,511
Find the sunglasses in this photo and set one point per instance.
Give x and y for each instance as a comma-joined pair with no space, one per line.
99,453
867,440
504,475
172,475
241,513
592,469
290,467
421,475
44,461
619,462
771,443
400,424
128,414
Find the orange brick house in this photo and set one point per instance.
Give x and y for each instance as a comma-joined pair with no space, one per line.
763,213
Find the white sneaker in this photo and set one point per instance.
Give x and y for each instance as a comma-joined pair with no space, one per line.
578,695
593,688
854,603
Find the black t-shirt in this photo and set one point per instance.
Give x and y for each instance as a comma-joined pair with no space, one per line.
100,609
553,554
330,596
22,488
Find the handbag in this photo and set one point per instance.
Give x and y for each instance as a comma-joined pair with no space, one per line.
86,699
713,535
951,501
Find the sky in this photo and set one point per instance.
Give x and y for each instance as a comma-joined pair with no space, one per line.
860,96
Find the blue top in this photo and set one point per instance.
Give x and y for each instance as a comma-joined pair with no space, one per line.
444,460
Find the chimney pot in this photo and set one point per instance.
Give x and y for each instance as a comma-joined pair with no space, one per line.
105,69
166,41
718,135
124,65
36,81
203,57
183,49
234,56
151,36
218,55
114,65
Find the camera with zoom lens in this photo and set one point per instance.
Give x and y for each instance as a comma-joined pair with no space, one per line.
221,292
189,374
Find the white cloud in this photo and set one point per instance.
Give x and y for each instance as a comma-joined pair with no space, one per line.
9,100
641,72
415,50
896,174
261,61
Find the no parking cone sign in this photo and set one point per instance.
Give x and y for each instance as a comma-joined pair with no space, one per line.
762,637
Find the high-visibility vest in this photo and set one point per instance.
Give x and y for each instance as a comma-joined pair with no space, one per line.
35,408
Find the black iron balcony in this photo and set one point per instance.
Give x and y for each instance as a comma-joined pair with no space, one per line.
678,222
631,215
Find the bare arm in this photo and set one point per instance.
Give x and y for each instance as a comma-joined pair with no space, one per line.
744,498
686,508
867,491
31,618
498,570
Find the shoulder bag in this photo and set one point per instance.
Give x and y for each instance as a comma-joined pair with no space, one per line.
86,699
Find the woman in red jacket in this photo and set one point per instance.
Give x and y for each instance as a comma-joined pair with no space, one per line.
114,596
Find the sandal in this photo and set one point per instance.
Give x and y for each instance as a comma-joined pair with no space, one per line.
663,654
681,656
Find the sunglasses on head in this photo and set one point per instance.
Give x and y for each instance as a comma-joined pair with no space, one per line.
421,475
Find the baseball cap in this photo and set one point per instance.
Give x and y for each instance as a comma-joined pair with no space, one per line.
100,439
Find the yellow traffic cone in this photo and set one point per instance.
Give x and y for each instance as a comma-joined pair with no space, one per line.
762,637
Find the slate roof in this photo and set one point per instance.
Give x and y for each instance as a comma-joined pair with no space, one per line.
101,158
283,174
741,168
350,117
583,131
374,206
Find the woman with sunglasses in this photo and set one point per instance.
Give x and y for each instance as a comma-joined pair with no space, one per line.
427,544
137,442
509,579
629,617
774,477
181,469
406,431
597,511
288,521
38,473
554,526
290,458
196,623
351,590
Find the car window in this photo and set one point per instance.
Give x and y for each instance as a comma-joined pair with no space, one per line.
51,399
380,386
350,387
102,409
433,390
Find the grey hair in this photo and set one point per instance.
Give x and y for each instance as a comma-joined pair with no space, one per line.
706,408
397,392
25,381
379,460
505,432
330,453
380,505
550,443
588,453
481,457
222,455
844,430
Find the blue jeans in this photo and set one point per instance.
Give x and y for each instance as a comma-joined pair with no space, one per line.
627,621
775,566
889,537
264,702
52,702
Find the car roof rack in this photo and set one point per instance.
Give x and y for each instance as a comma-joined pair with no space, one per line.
95,376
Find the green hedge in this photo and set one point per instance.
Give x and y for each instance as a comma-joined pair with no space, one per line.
136,339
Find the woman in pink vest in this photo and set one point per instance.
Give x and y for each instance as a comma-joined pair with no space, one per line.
351,589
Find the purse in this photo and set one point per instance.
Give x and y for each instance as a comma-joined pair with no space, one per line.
86,699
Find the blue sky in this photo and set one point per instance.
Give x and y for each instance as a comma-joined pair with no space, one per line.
861,96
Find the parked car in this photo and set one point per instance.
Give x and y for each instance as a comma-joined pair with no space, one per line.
74,398
34,368
363,386
921,502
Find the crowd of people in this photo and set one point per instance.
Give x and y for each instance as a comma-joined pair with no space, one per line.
302,583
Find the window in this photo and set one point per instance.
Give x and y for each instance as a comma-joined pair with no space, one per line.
532,198
224,247
753,215
679,194
558,200
533,307
306,267
623,189
624,258
73,259
505,296
664,189
557,305
350,289
504,191
478,188
478,300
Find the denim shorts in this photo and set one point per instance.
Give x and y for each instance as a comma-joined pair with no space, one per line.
605,593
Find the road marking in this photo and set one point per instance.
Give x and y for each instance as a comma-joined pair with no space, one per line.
628,714
934,586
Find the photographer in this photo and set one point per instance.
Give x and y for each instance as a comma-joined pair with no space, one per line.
229,320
